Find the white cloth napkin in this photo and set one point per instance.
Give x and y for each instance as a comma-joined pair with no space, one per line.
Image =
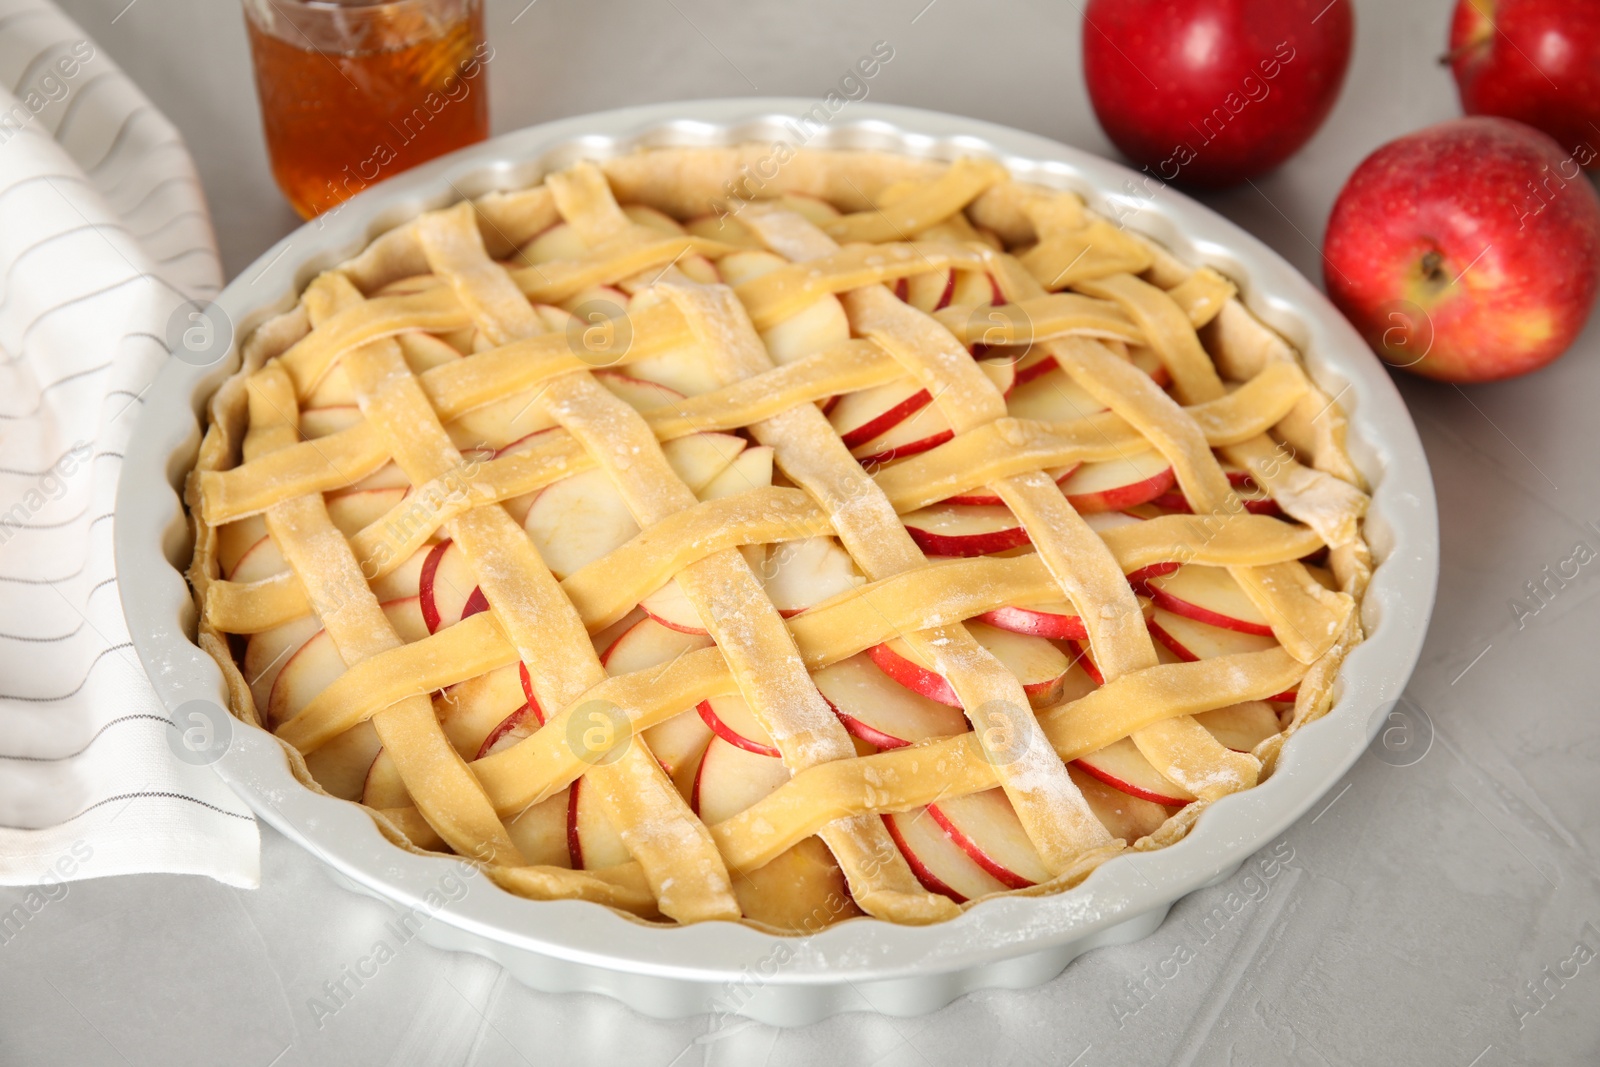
103,235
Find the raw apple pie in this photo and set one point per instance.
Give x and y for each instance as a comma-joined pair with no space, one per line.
875,538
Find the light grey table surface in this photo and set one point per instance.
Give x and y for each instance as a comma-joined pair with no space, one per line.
1419,906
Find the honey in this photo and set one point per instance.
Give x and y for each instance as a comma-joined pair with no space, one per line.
386,87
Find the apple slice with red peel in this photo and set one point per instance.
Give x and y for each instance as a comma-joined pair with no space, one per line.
731,779
448,588
1243,726
964,530
677,744
1122,766
1058,621
604,639
525,684
926,427
1190,641
930,290
316,663
988,830
1083,659
799,574
639,394
1040,666
513,728
671,608
860,416
1052,397
879,710
751,470
941,865
234,539
1209,595
577,520
320,422
592,842
1033,363
500,422
353,511
261,560
1114,484
265,654
1124,816
469,711
976,287
731,719
540,831
697,458
649,644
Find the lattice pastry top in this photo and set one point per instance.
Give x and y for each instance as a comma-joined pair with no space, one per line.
880,539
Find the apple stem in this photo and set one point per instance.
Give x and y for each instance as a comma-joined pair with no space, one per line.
1433,268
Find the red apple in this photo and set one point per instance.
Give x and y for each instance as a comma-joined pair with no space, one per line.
1536,61
1211,92
1458,253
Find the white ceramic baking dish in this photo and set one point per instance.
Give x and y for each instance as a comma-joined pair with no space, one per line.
863,964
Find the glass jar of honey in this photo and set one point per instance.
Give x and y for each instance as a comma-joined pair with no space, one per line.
355,91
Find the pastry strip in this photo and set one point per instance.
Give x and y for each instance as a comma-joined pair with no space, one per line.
447,795
1050,806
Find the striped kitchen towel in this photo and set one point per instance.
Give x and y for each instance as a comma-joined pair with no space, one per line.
103,237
